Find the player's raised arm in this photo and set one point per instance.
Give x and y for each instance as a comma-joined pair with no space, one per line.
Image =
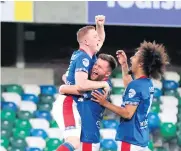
122,59
64,78
100,20
69,89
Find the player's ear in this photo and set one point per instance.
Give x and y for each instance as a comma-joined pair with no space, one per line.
141,64
86,43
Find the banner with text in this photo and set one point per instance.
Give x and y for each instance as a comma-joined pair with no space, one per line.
140,13
16,11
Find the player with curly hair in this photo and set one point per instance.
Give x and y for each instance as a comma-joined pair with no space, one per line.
148,62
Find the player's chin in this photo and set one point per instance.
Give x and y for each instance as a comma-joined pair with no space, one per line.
97,50
93,78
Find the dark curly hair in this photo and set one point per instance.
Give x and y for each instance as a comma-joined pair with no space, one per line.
154,59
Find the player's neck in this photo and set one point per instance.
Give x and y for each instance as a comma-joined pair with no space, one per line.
139,75
105,79
86,49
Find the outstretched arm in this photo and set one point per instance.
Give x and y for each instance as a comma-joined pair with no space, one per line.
100,20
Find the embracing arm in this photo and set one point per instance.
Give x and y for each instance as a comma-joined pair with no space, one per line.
69,89
81,80
125,112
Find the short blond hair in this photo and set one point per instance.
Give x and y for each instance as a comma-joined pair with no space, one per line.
83,31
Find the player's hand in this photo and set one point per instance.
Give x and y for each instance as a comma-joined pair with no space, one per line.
122,58
107,88
100,20
99,97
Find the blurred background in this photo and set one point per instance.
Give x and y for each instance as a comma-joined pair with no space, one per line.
37,40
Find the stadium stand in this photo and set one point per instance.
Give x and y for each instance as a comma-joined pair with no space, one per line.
28,125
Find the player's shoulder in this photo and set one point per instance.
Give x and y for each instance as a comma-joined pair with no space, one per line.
133,83
140,84
141,81
82,54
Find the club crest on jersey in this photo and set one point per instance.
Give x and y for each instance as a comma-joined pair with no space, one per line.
132,93
85,62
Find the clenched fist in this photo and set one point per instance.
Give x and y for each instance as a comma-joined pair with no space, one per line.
100,20
122,58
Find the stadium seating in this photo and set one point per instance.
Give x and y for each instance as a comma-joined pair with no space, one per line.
108,133
27,124
26,120
9,106
30,97
153,121
31,89
21,133
108,145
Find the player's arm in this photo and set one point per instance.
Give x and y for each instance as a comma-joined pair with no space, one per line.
122,59
69,89
132,98
125,112
100,20
64,78
126,77
81,76
81,79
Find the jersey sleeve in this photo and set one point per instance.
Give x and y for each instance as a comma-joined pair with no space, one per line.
132,95
83,64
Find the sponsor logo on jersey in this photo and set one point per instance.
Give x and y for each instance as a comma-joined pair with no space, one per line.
144,124
132,93
151,89
85,62
80,99
98,123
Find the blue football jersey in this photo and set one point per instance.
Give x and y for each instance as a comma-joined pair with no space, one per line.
80,61
135,130
91,115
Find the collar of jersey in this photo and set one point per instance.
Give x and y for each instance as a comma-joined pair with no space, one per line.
94,56
143,77
81,49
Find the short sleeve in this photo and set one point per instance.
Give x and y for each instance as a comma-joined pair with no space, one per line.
132,94
83,64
